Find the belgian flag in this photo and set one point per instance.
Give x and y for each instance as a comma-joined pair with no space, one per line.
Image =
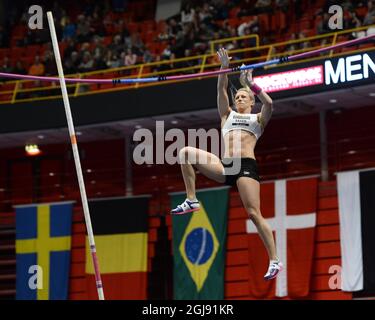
120,230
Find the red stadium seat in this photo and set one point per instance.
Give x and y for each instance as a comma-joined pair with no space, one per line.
264,22
19,31
366,45
33,50
234,12
361,12
16,53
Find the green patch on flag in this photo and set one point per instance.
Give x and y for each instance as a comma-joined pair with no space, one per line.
199,246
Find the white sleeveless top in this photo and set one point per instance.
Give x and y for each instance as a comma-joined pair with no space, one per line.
238,121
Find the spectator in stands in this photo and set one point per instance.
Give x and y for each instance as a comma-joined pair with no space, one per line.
370,16
83,29
247,9
322,26
167,52
282,5
137,44
305,44
174,27
87,63
329,3
201,43
112,60
69,68
37,68
97,25
352,21
75,58
254,26
85,48
147,56
49,64
225,32
28,39
187,63
263,6
5,66
187,14
99,48
165,33
221,10
70,48
180,41
69,30
117,46
347,5
161,66
241,28
249,27
19,69
119,5
205,15
126,36
189,42
294,45
130,58
64,19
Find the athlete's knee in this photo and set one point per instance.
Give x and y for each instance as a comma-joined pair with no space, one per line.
253,213
187,155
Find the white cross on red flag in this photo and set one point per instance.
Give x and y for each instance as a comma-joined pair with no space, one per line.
290,208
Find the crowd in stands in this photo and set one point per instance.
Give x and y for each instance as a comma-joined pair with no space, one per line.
186,34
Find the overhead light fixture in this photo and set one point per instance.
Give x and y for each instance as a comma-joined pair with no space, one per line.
372,94
352,152
138,126
32,150
174,121
78,133
41,137
332,101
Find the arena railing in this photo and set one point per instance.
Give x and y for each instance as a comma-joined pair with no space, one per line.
27,90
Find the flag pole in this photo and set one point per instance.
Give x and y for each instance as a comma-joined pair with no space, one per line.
73,140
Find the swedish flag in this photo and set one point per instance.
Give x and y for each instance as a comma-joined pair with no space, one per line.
199,246
43,243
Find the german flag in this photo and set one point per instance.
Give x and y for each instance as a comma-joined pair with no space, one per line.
120,229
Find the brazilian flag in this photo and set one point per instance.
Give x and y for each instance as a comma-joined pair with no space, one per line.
199,246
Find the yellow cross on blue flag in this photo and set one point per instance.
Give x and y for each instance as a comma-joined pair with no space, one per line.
43,243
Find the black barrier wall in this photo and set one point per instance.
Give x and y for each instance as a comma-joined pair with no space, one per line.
352,70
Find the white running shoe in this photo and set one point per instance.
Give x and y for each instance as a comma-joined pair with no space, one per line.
186,206
273,270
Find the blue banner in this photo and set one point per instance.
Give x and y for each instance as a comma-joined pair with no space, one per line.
43,243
